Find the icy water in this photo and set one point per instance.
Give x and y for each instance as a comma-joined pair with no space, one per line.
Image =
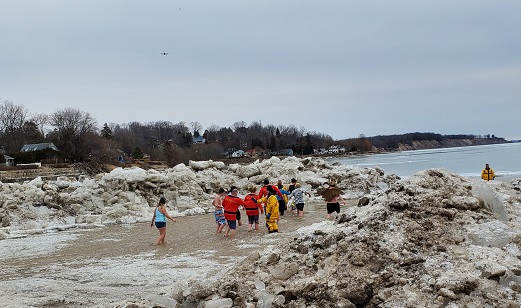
505,159
102,265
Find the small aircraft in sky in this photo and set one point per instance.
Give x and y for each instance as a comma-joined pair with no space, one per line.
165,53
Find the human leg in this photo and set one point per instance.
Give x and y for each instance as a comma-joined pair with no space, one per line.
239,221
250,222
162,234
300,209
220,227
232,228
330,210
282,207
271,223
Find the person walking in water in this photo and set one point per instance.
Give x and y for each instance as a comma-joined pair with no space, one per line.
282,199
160,216
231,205
487,174
252,208
298,195
332,195
272,209
219,210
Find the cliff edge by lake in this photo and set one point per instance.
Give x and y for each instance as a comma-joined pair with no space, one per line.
448,143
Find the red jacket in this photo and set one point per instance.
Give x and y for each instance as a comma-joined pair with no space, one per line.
231,205
252,207
263,192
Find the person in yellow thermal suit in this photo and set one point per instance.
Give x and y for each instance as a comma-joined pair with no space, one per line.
487,174
272,209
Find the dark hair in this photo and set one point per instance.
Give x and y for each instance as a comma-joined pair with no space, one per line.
221,190
270,189
266,182
162,200
293,180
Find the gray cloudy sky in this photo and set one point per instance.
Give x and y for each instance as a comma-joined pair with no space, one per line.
342,68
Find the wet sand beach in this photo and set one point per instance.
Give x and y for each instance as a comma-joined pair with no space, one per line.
98,266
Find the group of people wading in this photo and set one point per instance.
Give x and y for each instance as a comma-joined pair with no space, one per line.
271,200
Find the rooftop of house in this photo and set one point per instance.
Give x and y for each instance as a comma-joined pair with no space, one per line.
38,147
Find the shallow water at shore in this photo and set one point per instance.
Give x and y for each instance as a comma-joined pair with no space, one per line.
99,266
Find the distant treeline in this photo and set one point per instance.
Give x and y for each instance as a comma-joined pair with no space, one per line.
395,142
79,138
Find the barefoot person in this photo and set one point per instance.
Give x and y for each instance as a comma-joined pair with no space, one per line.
252,208
298,196
219,210
231,205
160,216
332,195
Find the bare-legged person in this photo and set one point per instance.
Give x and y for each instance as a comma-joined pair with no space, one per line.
231,205
298,199
232,229
159,219
220,220
332,195
252,208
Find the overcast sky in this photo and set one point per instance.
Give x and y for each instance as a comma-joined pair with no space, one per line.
341,68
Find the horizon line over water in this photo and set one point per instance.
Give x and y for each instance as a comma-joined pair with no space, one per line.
466,161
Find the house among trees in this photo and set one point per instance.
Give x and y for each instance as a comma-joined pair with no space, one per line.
112,155
38,147
199,139
238,153
335,149
286,152
9,161
256,152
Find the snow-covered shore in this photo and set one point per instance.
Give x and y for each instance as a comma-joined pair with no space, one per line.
434,239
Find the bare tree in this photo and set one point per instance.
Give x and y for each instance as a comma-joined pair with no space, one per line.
41,121
211,134
239,125
12,119
196,128
72,126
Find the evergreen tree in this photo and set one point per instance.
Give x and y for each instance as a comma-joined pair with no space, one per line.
106,132
137,153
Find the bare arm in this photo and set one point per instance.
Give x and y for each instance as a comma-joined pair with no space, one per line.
153,218
163,210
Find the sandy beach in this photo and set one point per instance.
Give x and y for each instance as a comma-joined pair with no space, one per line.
99,266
